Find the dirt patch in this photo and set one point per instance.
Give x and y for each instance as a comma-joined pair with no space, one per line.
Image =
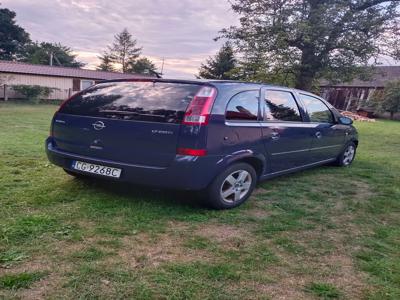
152,250
288,287
258,213
43,288
221,232
259,191
327,259
227,237
337,269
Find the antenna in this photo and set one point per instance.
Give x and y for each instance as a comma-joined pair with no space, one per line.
162,66
55,57
52,58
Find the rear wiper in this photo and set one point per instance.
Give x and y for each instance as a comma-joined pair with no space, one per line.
132,113
120,112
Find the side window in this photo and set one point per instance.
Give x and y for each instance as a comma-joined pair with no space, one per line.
280,106
243,106
317,110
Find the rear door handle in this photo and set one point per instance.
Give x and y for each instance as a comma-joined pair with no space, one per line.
275,135
318,134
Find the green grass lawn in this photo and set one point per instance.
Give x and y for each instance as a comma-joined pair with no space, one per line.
326,233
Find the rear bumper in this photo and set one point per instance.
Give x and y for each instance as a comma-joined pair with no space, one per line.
184,173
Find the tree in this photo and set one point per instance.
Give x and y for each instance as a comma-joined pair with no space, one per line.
42,54
220,66
308,39
106,63
142,66
391,98
124,51
12,37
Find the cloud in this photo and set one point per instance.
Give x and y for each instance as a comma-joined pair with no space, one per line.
181,31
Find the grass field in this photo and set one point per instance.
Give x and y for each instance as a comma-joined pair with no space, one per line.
326,233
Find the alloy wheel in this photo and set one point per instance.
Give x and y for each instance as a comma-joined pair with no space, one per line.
348,155
236,186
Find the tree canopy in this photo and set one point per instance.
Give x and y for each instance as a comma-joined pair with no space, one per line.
13,38
124,51
106,63
42,53
220,66
302,40
142,65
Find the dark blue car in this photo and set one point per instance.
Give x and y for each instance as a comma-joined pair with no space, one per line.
217,137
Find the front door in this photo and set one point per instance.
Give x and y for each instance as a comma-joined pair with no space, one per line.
287,139
328,136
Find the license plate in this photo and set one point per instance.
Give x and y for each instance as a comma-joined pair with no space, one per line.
96,169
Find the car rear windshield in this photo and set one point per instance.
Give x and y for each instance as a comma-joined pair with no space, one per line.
136,101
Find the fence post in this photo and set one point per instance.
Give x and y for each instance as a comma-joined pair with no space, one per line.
5,93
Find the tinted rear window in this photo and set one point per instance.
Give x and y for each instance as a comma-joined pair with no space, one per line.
139,101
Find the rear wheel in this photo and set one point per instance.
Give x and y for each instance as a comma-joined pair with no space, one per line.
347,156
232,187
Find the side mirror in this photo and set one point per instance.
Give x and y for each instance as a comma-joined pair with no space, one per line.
345,121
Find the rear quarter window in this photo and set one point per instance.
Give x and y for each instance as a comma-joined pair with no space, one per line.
243,107
134,101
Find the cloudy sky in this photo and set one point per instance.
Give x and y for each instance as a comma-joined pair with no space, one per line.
181,31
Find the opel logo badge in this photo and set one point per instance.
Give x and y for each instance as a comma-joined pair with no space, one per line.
98,125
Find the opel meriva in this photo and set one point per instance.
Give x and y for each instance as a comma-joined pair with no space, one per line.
217,137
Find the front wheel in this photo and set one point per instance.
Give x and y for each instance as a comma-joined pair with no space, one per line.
232,187
347,156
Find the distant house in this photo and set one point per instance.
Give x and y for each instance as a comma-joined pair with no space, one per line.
65,81
352,95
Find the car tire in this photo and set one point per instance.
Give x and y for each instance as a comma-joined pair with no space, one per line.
347,156
232,187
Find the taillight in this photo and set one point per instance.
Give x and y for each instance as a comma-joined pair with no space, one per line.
191,152
199,109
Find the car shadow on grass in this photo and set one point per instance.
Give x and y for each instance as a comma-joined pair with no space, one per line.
136,194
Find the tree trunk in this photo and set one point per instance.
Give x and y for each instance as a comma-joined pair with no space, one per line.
304,80
308,69
391,115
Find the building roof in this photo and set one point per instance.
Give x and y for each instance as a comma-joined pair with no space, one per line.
381,76
31,69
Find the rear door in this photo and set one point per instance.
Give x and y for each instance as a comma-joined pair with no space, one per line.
287,138
132,122
242,129
328,136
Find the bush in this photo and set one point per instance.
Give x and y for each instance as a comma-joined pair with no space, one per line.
33,92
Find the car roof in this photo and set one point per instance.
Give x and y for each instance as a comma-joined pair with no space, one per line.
214,82
194,81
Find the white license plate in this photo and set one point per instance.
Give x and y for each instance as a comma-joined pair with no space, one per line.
96,169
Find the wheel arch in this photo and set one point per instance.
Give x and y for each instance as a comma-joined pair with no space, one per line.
255,162
258,162
355,141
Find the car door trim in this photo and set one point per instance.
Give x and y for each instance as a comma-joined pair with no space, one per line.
243,123
288,124
304,150
298,168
